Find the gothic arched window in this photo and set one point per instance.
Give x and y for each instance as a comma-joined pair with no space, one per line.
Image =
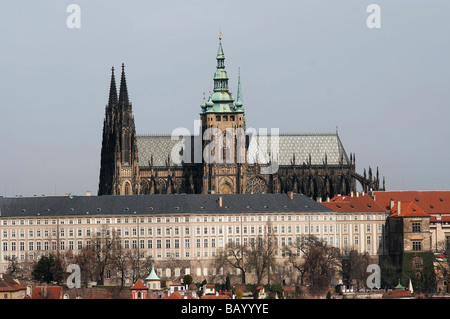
127,189
256,185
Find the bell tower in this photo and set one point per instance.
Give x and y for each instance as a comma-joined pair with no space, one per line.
223,128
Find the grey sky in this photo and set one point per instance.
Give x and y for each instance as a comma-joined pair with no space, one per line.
306,66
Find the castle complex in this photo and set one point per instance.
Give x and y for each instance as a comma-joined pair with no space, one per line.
237,161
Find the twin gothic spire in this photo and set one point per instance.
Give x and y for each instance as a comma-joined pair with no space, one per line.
122,100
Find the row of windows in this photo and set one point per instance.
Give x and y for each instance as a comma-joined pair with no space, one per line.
172,243
135,220
169,231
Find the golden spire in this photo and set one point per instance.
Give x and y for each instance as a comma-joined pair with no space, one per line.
220,35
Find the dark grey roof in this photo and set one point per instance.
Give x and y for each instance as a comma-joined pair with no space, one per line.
157,204
318,146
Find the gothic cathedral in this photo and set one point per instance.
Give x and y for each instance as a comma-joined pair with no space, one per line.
236,161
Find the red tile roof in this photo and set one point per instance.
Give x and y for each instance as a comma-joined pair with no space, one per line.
399,293
47,292
8,284
407,209
138,285
215,297
360,203
177,295
431,202
444,218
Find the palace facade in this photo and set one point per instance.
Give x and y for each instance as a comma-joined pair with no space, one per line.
181,234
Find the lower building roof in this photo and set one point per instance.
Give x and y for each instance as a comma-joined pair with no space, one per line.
431,202
67,206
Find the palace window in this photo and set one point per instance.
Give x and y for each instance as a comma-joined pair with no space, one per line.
417,245
416,227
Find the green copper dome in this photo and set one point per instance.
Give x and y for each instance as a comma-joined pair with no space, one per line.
221,100
152,275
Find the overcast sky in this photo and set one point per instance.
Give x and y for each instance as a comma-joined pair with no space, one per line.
306,67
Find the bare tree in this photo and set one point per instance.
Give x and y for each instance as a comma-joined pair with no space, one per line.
103,243
234,255
120,260
13,265
257,256
314,259
353,267
86,259
261,255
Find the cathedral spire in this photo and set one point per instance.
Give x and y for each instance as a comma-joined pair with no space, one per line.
221,99
220,77
123,94
220,55
112,90
239,102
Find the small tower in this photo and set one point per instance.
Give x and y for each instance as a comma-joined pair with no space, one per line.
139,290
153,281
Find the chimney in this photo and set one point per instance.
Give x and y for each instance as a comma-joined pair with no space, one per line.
319,199
398,208
88,193
291,195
392,203
357,194
362,193
220,201
328,199
351,194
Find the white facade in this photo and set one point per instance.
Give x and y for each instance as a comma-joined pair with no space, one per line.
194,238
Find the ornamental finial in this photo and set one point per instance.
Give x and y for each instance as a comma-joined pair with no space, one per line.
220,35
